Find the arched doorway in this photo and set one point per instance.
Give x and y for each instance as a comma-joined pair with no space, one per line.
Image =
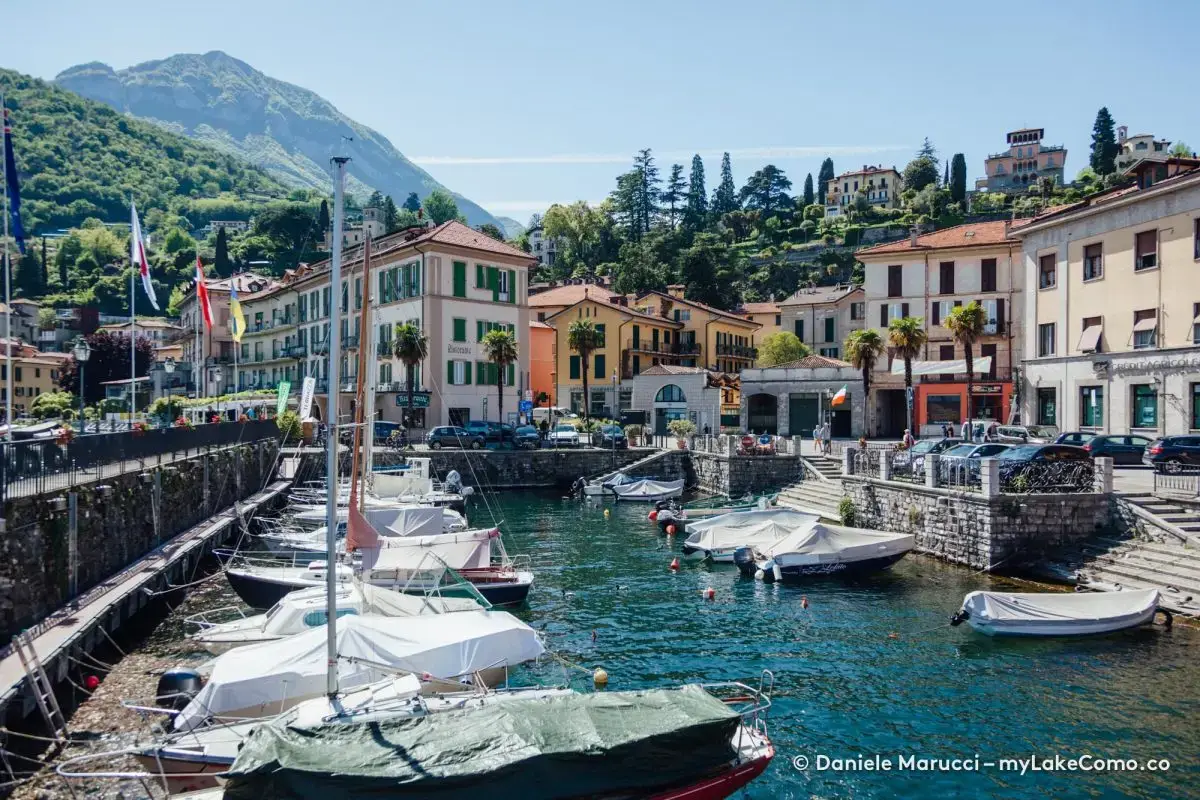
669,404
762,414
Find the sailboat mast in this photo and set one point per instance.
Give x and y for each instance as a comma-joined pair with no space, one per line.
7,259
331,413
357,466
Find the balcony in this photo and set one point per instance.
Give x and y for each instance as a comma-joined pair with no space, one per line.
737,351
384,348
648,346
295,351
686,348
320,348
350,342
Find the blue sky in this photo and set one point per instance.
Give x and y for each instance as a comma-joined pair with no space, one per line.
519,105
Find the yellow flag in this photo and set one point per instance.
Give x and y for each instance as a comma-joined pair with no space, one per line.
237,320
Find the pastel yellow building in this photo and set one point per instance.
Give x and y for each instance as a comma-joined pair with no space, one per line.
717,340
765,314
33,375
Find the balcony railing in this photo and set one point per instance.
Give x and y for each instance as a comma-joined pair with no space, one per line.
295,351
350,342
383,348
737,351
686,348
647,346
321,348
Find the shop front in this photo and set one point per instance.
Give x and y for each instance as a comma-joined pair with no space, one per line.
940,403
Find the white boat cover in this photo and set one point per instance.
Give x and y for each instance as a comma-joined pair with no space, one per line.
748,528
402,484
405,519
276,673
466,550
1059,607
834,542
647,489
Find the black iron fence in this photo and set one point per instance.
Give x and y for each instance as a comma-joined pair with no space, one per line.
1048,477
41,465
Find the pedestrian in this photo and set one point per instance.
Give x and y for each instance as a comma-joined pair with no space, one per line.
909,441
827,438
966,431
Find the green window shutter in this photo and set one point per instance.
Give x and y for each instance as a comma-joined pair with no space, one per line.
479,330
512,286
800,329
479,279
417,278
460,330
511,374
493,282
574,368
600,367
637,365
467,373
450,372
600,334
460,279
829,329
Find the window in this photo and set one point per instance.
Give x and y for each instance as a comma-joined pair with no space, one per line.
987,275
1093,262
829,323
598,372
1047,271
1145,328
1145,252
895,280
574,369
986,351
358,297
1195,323
1091,406
600,334
1145,406
460,279
800,329
460,330
670,394
778,319
637,365
1046,339
1093,327
858,311
1196,239
1195,423
946,277
829,352
946,353
1047,407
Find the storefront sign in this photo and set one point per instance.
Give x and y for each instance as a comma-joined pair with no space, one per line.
1158,363
988,388
459,349
306,396
420,399
281,398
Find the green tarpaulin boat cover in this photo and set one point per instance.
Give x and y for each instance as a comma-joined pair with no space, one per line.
581,745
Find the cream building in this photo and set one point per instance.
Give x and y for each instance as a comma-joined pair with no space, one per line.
765,314
1140,145
879,185
1113,310
927,276
823,316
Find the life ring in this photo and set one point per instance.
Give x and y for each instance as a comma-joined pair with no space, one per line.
1168,620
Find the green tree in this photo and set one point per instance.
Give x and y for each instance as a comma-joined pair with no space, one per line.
411,347
390,215
290,228
907,335
47,319
958,178
673,195
1180,150
441,207
583,338
28,278
500,347
863,348
781,348
697,197
221,263
823,178
178,241
922,171
54,405
324,223
638,269
711,270
927,150
809,196
1104,144
578,227
109,361
488,229
725,197
375,200
175,301
412,202
966,323
766,191
648,192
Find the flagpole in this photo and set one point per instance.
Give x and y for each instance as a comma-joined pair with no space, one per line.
8,368
197,353
132,325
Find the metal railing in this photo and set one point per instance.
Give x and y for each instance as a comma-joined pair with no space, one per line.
47,465
1048,477
962,474
1179,484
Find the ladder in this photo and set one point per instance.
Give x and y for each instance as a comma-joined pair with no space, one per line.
43,691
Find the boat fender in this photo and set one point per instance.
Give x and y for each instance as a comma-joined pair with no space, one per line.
759,574
1168,620
177,687
776,572
652,516
959,618
671,530
674,567
467,491
606,513
709,594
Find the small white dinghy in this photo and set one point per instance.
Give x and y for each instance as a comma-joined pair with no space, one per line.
647,490
1056,613
718,537
824,550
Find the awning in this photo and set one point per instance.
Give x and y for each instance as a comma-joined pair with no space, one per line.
982,364
1089,342
1148,324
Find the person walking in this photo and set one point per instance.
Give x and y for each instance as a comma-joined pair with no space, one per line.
817,438
909,441
826,438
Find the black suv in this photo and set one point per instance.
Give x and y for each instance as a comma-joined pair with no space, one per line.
453,436
1173,454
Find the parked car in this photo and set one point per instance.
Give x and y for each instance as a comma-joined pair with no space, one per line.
1122,449
564,436
552,414
490,431
453,436
1029,465
912,460
1022,434
527,437
960,464
610,437
1077,438
1173,454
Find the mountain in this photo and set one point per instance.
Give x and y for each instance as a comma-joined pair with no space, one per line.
512,229
287,130
78,158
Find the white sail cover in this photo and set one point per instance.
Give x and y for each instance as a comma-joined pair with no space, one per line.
277,673
748,528
466,550
838,543
407,520
1063,608
647,489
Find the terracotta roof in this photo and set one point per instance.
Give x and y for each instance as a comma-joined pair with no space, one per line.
813,362
673,369
533,323
456,233
971,235
760,308
627,311
727,314
820,295
868,171
1113,194
570,294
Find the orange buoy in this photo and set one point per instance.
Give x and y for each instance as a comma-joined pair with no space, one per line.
674,563
671,529
804,601
653,515
709,594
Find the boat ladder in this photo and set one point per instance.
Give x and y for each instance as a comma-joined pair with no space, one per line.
43,691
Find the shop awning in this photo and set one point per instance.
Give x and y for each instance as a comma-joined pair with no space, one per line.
1089,342
956,367
1148,324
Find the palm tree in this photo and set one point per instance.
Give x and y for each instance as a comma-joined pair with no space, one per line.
583,339
411,346
863,348
907,335
501,349
966,323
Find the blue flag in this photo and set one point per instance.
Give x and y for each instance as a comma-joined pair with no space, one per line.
11,185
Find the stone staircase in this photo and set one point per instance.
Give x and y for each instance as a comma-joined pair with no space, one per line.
1112,564
1183,515
820,493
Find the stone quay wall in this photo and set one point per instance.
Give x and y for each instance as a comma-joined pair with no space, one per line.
736,476
119,519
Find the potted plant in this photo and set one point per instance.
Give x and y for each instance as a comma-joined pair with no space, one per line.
183,422
681,429
66,435
634,434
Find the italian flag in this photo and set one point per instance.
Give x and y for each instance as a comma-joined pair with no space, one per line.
839,398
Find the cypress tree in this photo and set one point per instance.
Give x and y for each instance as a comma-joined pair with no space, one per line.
412,202
958,178
696,208
28,280
673,195
809,197
391,215
946,176
1104,143
725,197
823,178
323,221
221,263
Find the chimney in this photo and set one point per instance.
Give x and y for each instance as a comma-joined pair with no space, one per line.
913,234
676,290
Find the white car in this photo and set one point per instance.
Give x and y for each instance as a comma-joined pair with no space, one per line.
564,436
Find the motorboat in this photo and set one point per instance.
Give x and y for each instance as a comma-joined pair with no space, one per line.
718,537
222,629
568,746
268,678
603,486
671,512
647,490
1057,613
824,550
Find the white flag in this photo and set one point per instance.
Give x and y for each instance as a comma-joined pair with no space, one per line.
137,255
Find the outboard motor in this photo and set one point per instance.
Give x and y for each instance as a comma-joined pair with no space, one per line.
453,482
177,687
743,557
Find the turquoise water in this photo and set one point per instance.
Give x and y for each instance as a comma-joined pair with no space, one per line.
845,687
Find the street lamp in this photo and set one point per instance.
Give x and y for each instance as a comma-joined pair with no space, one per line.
83,352
169,369
217,376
